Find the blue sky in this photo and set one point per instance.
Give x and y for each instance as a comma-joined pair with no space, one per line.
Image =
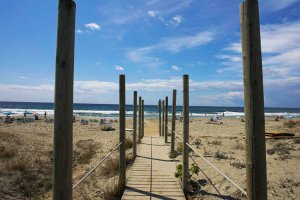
153,42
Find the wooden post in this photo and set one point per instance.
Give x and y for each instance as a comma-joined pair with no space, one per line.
163,118
134,122
159,116
254,102
63,108
173,122
143,119
122,116
166,120
185,160
140,119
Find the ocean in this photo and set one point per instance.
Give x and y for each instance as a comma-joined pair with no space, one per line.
151,111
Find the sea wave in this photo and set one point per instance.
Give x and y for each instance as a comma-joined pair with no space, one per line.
115,113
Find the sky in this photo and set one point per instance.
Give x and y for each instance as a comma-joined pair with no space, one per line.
154,43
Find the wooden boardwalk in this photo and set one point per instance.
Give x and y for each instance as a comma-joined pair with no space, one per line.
152,174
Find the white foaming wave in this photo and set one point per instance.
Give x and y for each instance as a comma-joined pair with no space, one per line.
19,111
106,112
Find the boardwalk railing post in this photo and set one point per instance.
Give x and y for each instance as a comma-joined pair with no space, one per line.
143,119
254,101
122,165
159,116
185,160
140,120
134,122
63,108
173,122
166,120
163,118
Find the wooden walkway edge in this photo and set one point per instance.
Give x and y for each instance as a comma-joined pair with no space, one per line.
152,174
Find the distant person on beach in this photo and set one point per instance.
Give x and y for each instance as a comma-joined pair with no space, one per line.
45,115
25,113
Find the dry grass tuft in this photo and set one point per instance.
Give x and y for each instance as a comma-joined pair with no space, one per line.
112,190
291,123
282,149
238,165
179,148
296,141
238,146
216,142
110,168
7,153
219,155
88,148
198,143
128,143
17,165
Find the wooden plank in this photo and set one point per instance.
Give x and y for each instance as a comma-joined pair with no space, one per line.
134,124
185,160
140,120
166,120
63,107
159,116
173,122
122,125
254,101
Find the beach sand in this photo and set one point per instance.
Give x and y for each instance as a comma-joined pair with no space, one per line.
26,165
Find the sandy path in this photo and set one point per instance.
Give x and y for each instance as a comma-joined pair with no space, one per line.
151,127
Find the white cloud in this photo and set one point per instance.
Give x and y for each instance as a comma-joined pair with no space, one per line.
230,98
79,31
172,45
187,42
175,68
92,26
155,9
280,48
22,77
119,68
279,4
176,20
152,13
223,92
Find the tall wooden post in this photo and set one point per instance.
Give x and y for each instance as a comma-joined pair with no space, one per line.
173,122
143,119
185,160
140,119
134,122
254,102
159,117
63,108
166,120
163,118
122,116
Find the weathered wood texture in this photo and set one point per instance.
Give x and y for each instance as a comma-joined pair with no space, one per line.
143,119
254,101
140,119
185,159
159,117
63,108
122,125
163,118
173,122
134,123
166,120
